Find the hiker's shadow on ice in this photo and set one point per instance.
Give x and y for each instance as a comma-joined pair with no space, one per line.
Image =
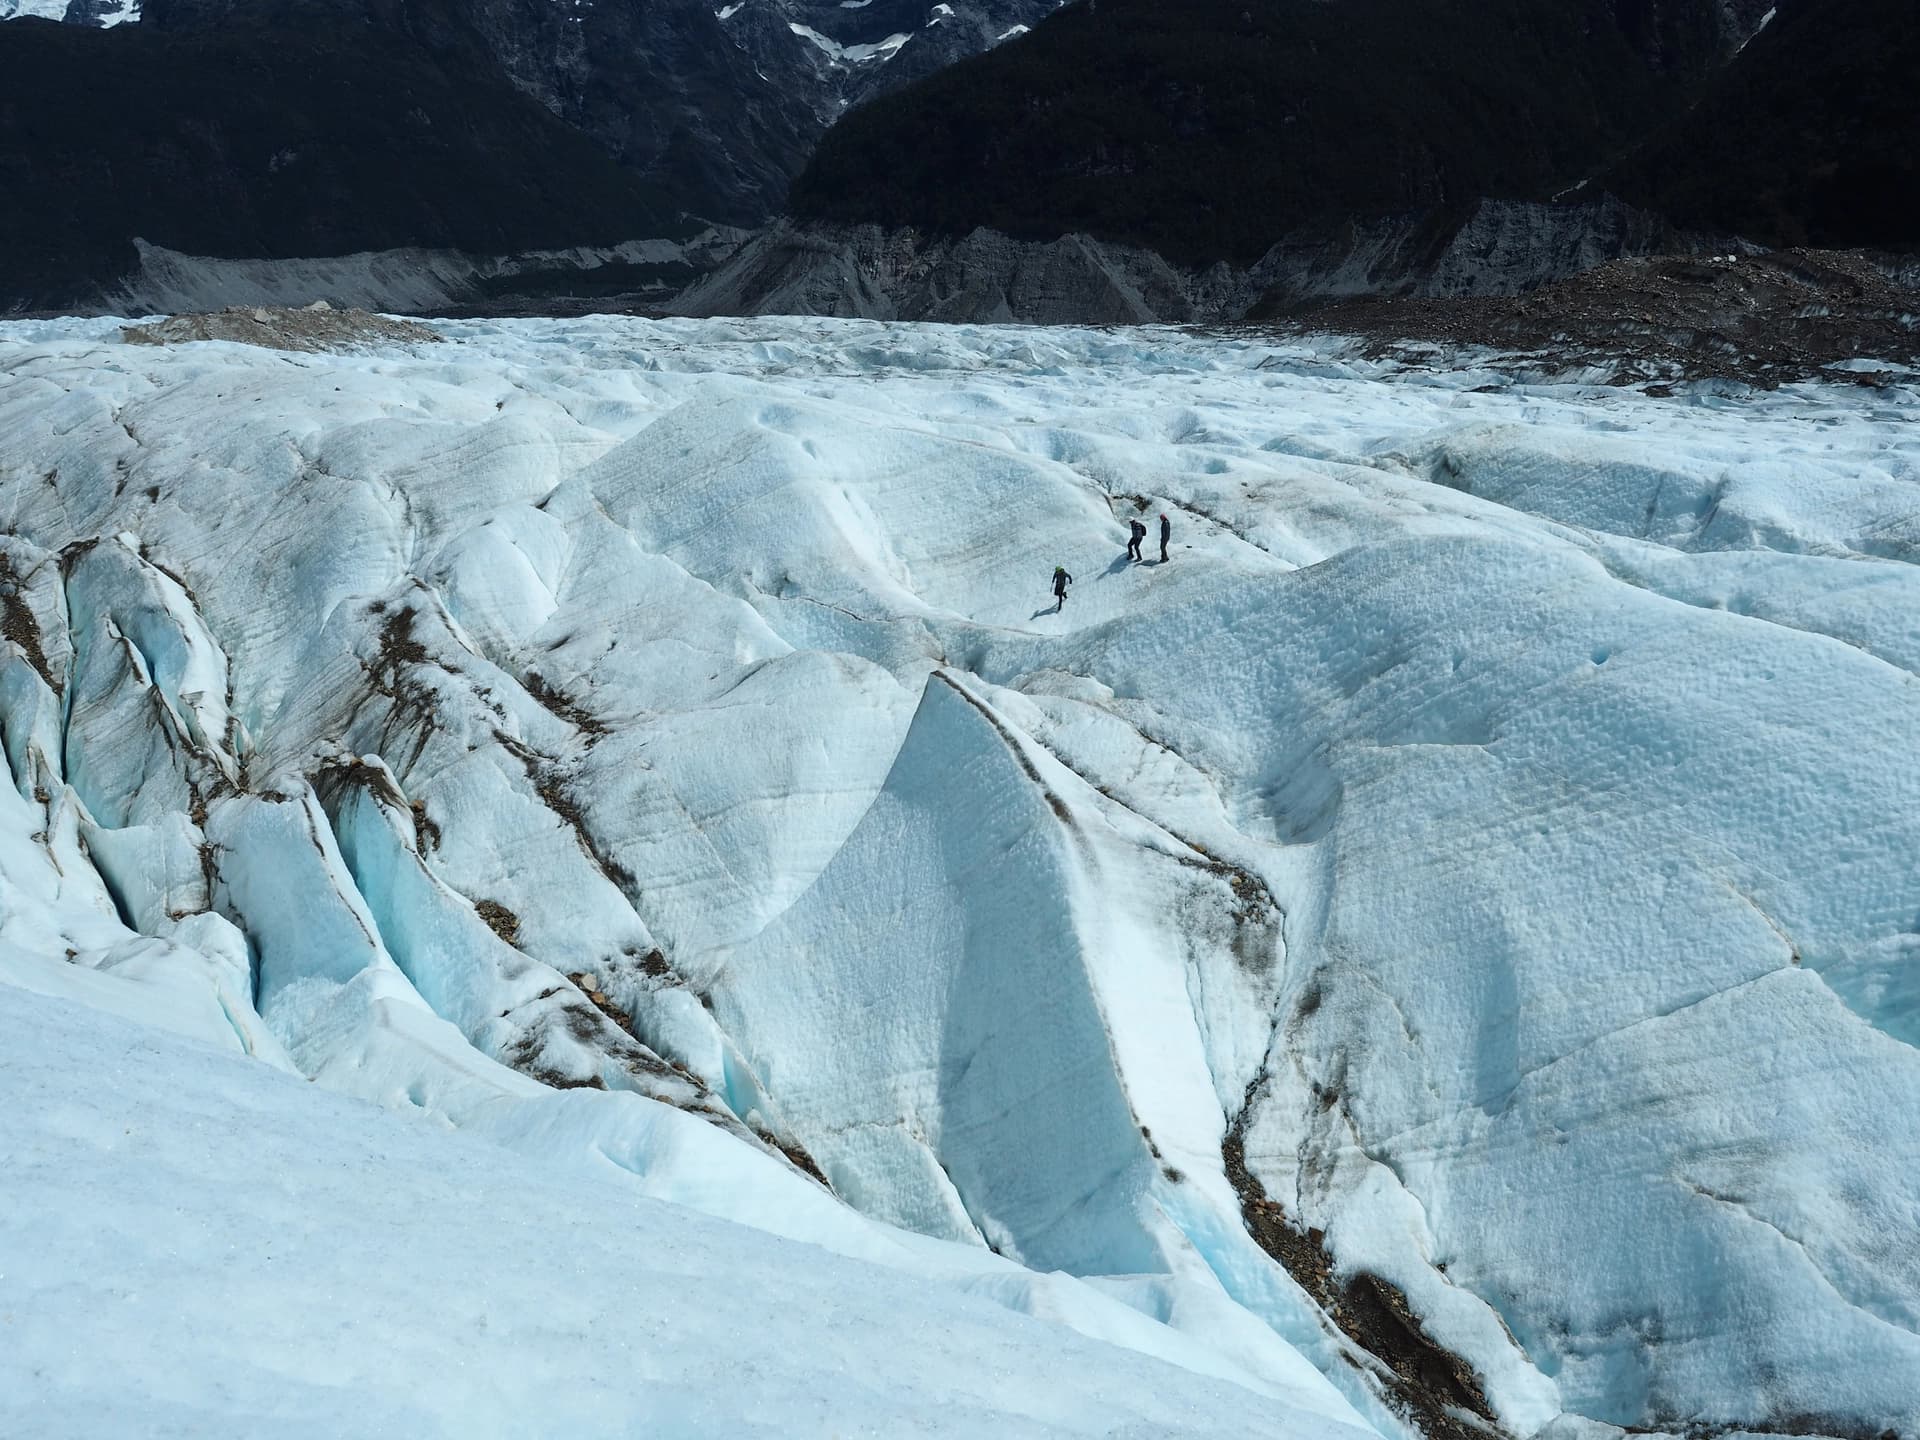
1048,610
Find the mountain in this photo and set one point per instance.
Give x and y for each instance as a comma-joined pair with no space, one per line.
1208,131
1811,137
718,104
659,87
278,140
416,125
1119,160
1126,162
1438,954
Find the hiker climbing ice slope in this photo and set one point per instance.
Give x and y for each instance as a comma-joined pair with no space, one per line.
1136,533
1061,580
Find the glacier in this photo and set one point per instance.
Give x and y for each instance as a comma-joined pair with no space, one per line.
1438,955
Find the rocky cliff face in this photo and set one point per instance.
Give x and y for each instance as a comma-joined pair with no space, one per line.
1495,248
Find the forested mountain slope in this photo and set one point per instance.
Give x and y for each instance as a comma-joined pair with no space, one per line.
1208,131
1812,137
281,140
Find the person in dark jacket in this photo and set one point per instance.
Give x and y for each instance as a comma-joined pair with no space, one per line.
1166,529
1138,533
1061,579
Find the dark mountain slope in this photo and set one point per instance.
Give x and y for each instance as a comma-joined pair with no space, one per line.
1812,136
1208,129
722,112
658,85
1687,37
294,140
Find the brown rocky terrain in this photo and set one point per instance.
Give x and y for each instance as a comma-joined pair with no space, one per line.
1762,318
315,327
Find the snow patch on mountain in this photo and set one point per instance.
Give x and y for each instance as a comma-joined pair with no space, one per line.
849,54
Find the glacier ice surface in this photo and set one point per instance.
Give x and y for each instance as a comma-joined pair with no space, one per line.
647,750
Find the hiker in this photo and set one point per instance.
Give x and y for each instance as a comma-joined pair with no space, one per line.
1139,533
1061,579
1166,529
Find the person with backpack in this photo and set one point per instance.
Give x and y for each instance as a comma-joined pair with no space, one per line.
1166,529
1138,533
1061,579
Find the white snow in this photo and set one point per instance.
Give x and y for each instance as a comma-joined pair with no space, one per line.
850,54
123,12
1764,21
648,751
